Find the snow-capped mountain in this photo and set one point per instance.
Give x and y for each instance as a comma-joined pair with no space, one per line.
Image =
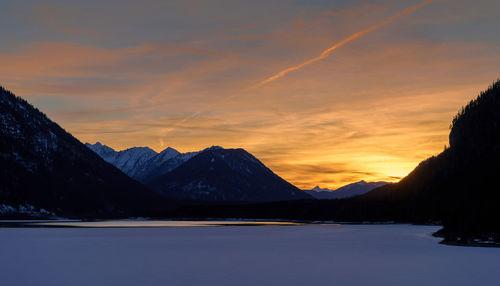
43,167
212,174
217,174
318,189
162,163
152,169
351,190
142,163
126,160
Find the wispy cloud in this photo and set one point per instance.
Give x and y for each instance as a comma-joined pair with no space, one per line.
371,112
352,37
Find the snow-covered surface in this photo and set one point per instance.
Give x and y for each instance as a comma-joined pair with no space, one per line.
242,255
25,209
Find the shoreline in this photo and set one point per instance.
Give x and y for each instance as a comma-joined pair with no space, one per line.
447,239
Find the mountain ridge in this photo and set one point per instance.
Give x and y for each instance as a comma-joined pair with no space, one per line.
140,163
457,188
218,174
155,173
45,167
347,191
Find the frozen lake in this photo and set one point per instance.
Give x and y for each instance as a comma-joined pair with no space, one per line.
241,255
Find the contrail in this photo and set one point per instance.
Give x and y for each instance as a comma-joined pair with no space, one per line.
354,36
323,55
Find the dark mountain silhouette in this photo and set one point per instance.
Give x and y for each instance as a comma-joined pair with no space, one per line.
457,188
218,174
161,164
347,191
43,166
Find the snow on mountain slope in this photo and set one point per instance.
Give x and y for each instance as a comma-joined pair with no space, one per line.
157,167
129,159
142,163
126,160
107,153
152,167
351,190
318,189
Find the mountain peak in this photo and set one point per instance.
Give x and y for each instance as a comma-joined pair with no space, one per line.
318,189
350,190
169,150
140,149
45,167
100,148
125,160
218,174
166,154
213,148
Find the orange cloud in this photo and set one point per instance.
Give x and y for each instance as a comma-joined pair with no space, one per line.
372,113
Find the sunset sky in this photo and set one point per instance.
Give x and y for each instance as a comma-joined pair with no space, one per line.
323,92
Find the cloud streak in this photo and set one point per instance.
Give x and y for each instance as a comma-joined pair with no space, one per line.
352,37
128,81
323,55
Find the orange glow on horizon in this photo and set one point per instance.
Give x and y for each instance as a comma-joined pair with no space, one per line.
178,74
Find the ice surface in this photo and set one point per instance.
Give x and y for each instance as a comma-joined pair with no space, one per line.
241,255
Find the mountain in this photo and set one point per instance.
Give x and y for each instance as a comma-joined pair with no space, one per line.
457,188
43,168
214,174
317,189
347,191
164,162
233,175
142,163
127,160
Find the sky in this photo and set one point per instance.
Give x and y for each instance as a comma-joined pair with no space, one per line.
323,92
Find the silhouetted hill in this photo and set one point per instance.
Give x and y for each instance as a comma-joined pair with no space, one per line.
460,185
458,188
347,191
43,166
218,174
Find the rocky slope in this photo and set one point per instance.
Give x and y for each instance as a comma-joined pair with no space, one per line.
43,167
